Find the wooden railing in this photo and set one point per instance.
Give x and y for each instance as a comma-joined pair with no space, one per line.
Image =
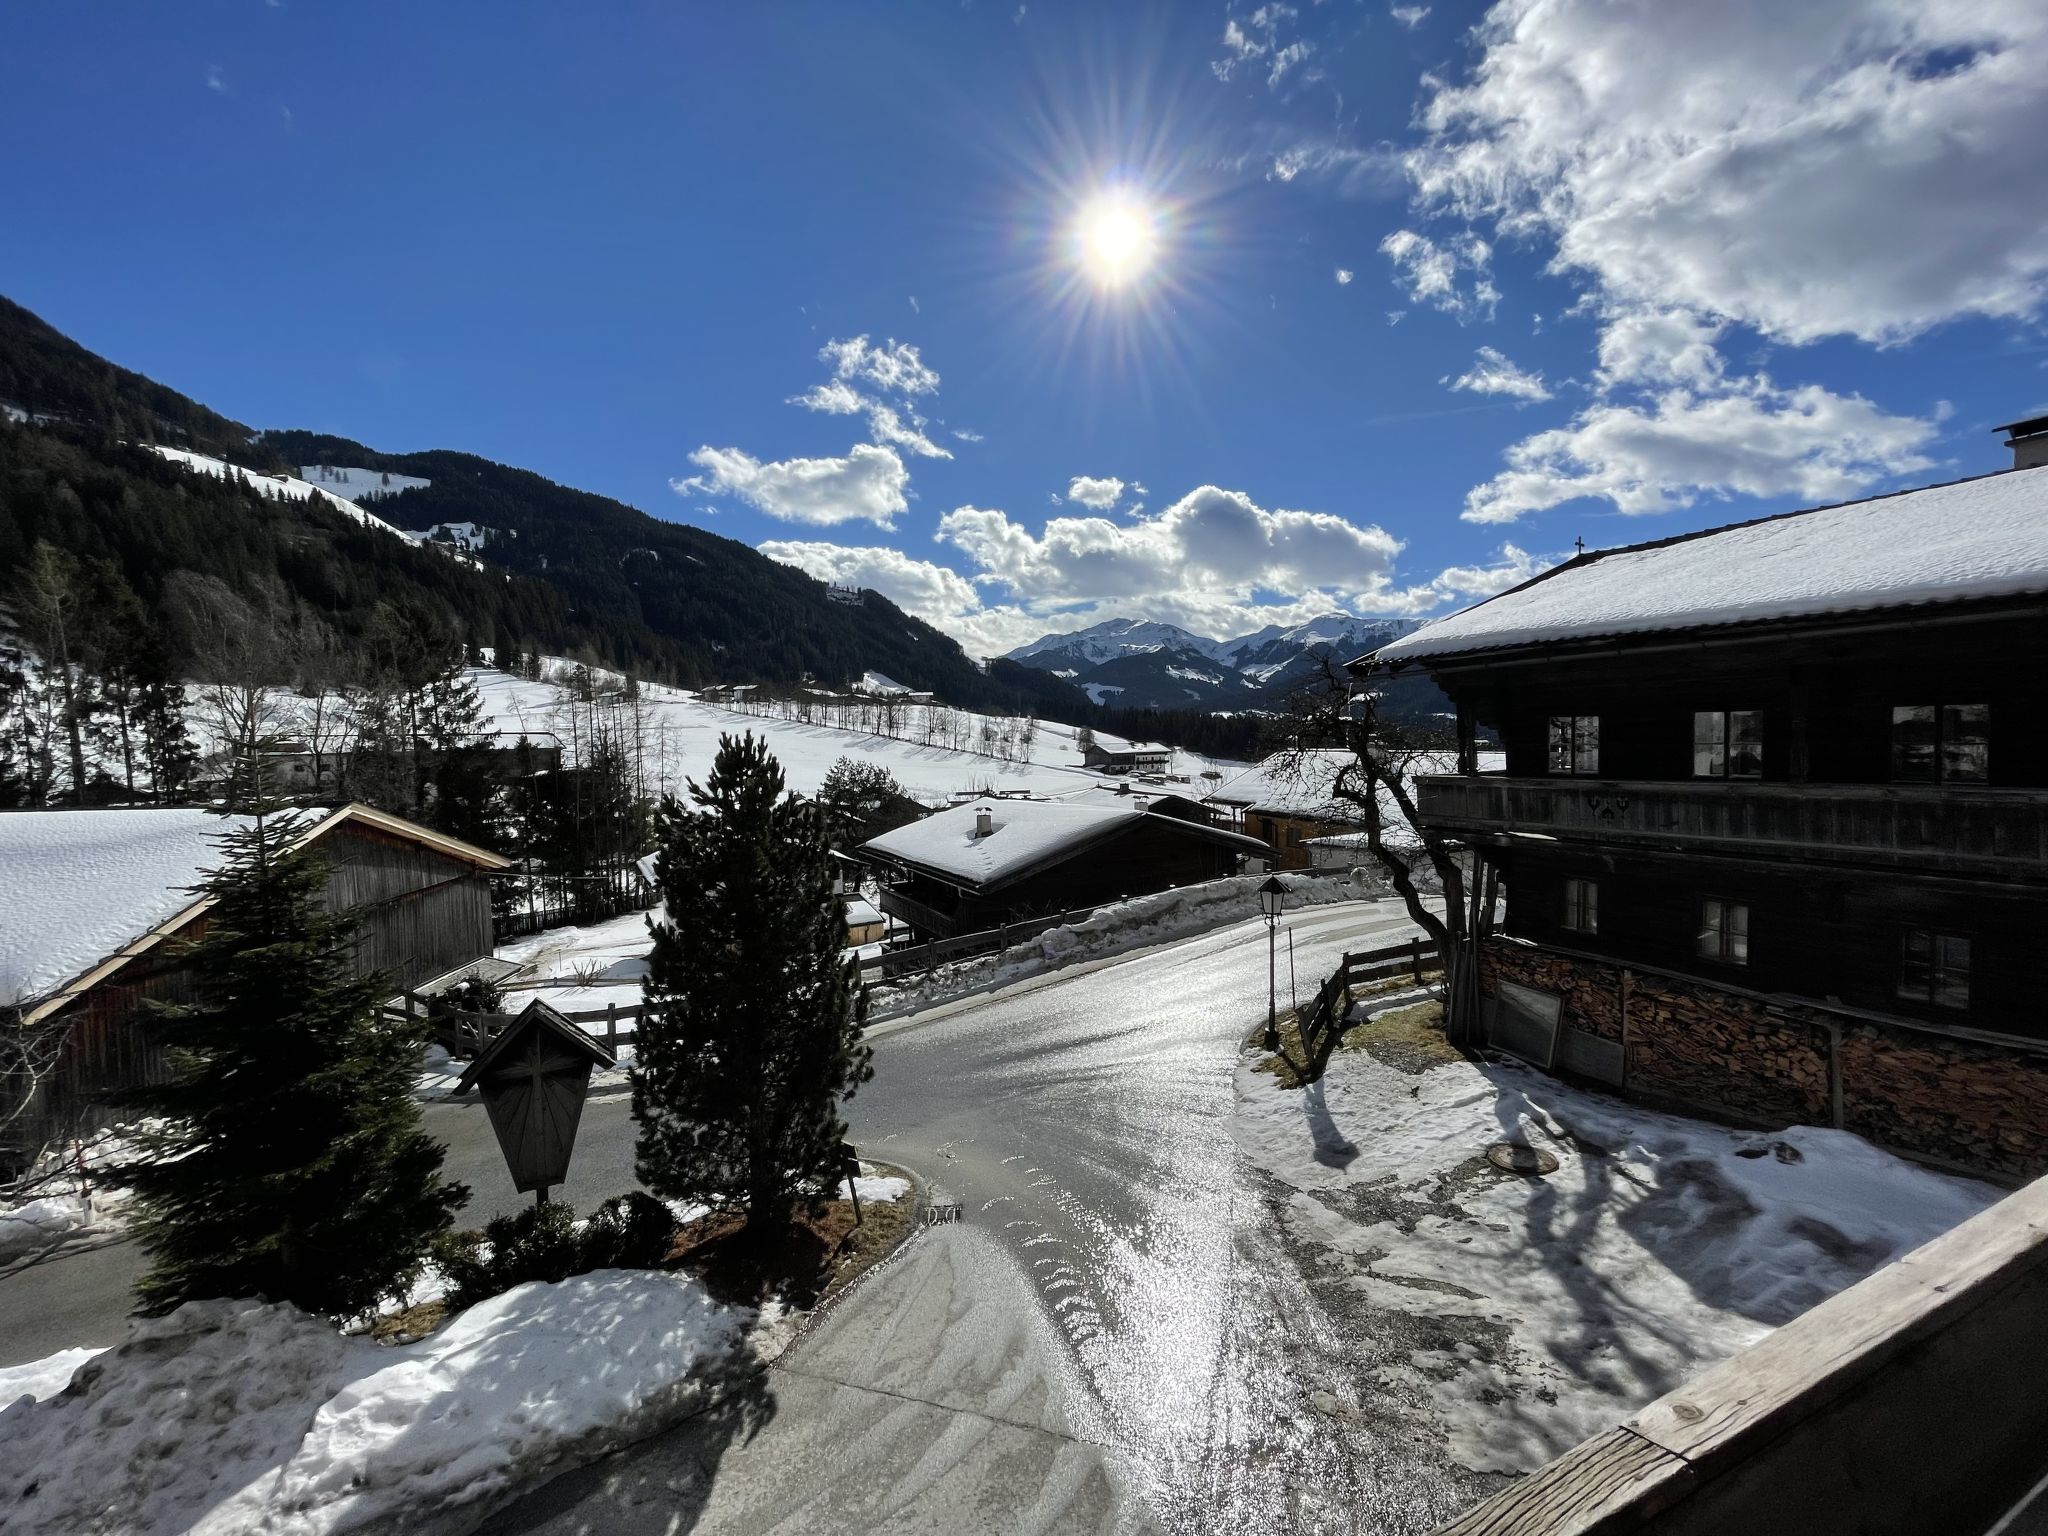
1323,1020
891,963
1906,826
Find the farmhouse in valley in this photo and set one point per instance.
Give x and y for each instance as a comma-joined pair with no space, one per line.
96,901
1139,757
1773,825
979,865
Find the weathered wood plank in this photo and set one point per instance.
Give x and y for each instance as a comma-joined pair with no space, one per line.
1610,1483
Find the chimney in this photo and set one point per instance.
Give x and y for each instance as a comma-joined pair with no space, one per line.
984,821
2028,441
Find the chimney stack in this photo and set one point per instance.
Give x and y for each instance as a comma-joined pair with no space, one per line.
2028,441
984,821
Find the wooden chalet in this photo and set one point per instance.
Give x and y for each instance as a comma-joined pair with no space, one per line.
989,862
1139,757
1290,801
93,904
1772,826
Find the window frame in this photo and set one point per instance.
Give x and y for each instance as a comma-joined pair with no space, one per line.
1938,963
1581,906
1946,742
1727,938
1725,743
1575,745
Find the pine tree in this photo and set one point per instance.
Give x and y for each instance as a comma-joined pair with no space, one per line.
294,1166
752,1034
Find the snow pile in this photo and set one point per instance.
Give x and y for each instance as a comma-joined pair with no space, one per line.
238,1416
1134,924
1986,537
360,484
276,487
1550,1309
41,1378
878,1188
38,1224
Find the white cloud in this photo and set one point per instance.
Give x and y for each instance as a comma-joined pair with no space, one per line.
968,435
1429,272
903,430
1471,582
837,397
1493,373
1100,494
215,80
1410,16
893,366
922,588
1396,316
1259,38
1660,347
1835,167
1344,276
868,484
1752,439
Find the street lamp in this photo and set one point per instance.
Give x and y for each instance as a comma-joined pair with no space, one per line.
1271,895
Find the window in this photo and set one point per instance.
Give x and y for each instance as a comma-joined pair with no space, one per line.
1575,744
1935,968
1941,743
1582,906
1728,744
1724,931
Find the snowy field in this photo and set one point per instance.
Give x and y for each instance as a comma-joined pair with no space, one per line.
278,487
681,734
243,1417
1557,1306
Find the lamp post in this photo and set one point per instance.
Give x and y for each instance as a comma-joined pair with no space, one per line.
1271,894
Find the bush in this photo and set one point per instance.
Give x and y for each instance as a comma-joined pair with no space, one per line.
545,1242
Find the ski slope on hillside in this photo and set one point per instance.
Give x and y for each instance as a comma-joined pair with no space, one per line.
277,487
680,737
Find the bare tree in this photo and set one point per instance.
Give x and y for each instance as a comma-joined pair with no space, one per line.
29,1058
1376,783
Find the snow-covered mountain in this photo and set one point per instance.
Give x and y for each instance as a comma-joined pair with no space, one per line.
1161,666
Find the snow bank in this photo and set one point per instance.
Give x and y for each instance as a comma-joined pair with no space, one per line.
1134,924
42,1378
38,1224
238,1416
1557,1306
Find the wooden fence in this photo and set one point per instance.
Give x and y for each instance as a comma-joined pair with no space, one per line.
1322,1021
892,963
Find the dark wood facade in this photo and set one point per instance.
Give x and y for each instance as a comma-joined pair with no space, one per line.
423,908
1880,877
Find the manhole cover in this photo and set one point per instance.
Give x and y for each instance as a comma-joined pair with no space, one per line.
1514,1157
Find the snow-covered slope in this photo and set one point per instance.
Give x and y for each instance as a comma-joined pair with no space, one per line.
1110,639
360,484
277,487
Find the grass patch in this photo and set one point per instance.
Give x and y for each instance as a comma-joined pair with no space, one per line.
1408,1039
410,1325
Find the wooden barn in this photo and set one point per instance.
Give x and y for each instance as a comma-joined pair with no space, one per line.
1773,825
92,902
990,862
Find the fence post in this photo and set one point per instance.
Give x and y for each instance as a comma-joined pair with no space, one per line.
1415,957
611,1029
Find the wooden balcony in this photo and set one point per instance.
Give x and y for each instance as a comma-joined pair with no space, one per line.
1925,828
927,920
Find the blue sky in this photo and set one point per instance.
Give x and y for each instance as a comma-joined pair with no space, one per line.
1419,295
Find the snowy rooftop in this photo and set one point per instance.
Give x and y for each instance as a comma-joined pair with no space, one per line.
1301,784
1986,537
1025,836
77,886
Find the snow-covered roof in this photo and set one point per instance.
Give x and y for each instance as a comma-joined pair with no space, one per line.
860,912
1300,784
1026,836
1986,537
79,888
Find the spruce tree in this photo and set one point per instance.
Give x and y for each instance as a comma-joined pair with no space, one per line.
752,1034
293,1165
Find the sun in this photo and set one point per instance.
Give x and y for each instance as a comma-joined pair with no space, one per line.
1116,238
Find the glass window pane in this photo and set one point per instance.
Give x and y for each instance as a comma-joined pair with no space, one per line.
1709,941
1913,743
1736,921
1590,907
1560,743
1916,958
1709,744
1746,744
1966,742
1586,749
1952,972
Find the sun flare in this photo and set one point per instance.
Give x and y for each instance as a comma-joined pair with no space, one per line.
1117,237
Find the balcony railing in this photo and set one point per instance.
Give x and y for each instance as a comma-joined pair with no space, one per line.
2001,831
925,918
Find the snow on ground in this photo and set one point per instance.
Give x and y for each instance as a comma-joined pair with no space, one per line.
58,1202
238,1416
276,487
1555,1307
41,1378
680,734
1124,925
34,1225
360,484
